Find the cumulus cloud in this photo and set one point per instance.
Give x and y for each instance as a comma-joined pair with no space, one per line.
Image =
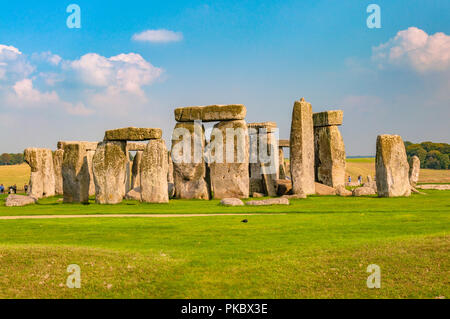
48,57
123,72
13,64
158,36
415,49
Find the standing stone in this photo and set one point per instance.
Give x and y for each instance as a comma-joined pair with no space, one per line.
329,156
136,170
189,171
154,168
109,166
75,171
230,177
42,178
414,170
90,156
58,157
392,169
282,169
302,149
170,180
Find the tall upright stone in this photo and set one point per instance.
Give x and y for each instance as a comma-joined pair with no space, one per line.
189,167
392,168
302,149
228,155
42,178
154,168
136,170
75,172
90,157
58,157
282,165
414,170
109,167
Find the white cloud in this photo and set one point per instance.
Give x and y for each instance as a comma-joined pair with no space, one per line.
124,72
13,65
158,36
415,49
48,57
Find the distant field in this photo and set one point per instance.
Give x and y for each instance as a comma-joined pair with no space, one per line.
15,174
366,166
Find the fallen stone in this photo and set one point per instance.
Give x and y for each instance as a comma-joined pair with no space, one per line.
211,113
328,118
414,170
371,184
415,191
329,156
284,187
134,194
19,200
154,168
302,148
324,190
257,195
133,134
109,166
295,196
342,191
441,187
363,191
42,177
267,202
231,202
392,168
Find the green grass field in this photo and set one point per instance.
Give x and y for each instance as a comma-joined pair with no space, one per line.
318,247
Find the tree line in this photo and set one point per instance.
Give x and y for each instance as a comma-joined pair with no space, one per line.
431,155
11,159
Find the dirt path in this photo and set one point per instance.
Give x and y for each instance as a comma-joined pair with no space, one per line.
124,216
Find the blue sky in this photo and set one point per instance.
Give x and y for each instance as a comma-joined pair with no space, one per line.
264,54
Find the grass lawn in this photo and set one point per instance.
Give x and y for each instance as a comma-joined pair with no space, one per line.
320,248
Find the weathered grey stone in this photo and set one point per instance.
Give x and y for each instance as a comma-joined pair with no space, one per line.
231,202
267,202
210,113
90,156
189,172
284,187
89,146
134,146
42,178
134,194
154,168
371,184
363,191
281,163
170,180
329,156
230,178
342,191
414,170
75,171
392,168
136,170
295,196
109,166
58,157
328,118
256,185
284,143
302,148
19,200
324,190
133,134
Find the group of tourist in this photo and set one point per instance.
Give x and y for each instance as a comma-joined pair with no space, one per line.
12,189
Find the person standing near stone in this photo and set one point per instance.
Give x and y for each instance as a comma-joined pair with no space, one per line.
302,148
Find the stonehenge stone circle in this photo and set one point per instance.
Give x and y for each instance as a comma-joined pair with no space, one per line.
133,134
109,166
75,171
154,168
414,170
230,175
211,113
392,168
329,156
302,148
136,170
58,157
189,173
42,178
